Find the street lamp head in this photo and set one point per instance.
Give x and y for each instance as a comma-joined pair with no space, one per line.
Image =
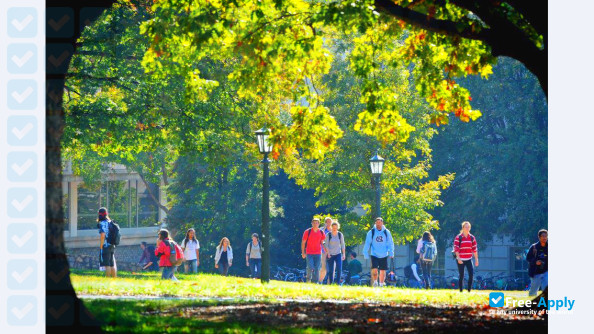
264,144
377,164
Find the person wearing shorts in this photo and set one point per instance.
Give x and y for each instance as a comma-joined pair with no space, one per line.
378,245
106,250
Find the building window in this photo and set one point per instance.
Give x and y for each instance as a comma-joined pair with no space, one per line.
89,201
147,209
519,267
66,204
128,202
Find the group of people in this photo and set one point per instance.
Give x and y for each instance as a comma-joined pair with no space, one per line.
324,251
223,254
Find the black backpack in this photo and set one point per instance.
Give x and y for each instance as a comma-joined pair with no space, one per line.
373,233
308,233
339,236
460,244
373,236
114,233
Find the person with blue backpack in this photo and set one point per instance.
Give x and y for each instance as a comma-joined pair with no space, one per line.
378,245
428,254
109,238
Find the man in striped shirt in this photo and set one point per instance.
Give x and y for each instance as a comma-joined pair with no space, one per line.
464,247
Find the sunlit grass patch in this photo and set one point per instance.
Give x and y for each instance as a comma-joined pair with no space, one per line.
214,286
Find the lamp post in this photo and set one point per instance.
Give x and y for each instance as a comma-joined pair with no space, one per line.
377,165
265,147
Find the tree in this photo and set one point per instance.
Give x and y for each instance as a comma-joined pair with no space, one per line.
500,162
516,29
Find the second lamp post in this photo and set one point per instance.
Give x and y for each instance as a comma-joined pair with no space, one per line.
265,148
377,165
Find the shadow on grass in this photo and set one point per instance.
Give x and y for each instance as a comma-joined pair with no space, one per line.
174,316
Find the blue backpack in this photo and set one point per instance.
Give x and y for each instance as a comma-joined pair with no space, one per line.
429,251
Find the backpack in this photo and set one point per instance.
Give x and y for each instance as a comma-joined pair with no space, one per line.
260,245
177,254
308,233
429,251
373,235
460,243
339,236
114,233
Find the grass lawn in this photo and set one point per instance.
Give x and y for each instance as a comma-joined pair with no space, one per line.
143,303
215,286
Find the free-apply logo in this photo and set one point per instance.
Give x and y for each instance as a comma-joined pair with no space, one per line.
496,299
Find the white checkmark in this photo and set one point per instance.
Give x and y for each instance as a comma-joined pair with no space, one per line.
20,206
21,241
23,276
20,98
23,168
57,25
20,62
21,25
22,313
495,301
58,61
20,134
57,313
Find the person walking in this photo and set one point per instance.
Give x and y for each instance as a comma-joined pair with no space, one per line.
311,250
191,248
538,270
464,247
379,245
428,254
335,253
324,269
163,251
253,256
106,250
224,256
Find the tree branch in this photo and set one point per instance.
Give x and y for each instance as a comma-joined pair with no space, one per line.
153,197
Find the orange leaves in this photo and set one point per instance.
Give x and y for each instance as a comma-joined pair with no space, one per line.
275,154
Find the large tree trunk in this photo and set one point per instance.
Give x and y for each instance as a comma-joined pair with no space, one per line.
59,291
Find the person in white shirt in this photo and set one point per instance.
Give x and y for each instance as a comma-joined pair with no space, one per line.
191,248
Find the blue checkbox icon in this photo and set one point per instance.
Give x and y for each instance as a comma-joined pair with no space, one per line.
21,238
21,130
22,22
22,58
22,203
22,311
22,274
496,299
22,166
22,94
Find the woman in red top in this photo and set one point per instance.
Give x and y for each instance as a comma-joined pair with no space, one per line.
164,251
464,247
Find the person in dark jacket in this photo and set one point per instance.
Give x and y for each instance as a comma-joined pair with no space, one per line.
148,260
355,268
537,256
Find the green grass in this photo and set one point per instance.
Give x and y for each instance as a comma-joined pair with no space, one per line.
146,316
207,286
